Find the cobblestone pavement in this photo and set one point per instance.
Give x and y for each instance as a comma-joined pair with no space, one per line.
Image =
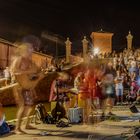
105,130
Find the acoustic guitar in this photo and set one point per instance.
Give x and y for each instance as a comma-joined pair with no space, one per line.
27,81
59,111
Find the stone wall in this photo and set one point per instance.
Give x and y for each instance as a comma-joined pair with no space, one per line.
7,50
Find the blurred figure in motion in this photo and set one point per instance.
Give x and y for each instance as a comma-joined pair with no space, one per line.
108,89
24,70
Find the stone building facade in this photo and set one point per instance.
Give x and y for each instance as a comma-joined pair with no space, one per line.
102,41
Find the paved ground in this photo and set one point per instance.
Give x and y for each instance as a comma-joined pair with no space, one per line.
105,130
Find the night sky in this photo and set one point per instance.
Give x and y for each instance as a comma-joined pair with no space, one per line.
73,18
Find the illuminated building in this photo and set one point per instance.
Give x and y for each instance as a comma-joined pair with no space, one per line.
102,41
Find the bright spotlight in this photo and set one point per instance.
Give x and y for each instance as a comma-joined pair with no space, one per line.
96,51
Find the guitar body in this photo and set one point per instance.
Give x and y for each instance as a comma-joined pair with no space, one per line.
28,81
58,112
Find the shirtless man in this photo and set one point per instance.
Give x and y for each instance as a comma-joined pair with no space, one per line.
23,68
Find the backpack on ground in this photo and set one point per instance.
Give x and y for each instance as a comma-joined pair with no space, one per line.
4,129
42,115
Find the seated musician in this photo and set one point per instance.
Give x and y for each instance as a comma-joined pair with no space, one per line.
59,93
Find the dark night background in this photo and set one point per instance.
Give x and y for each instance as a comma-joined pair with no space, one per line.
72,19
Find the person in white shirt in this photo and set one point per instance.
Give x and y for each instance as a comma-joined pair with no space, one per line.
7,75
133,68
115,60
125,59
119,86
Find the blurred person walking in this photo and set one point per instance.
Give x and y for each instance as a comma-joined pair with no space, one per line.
27,77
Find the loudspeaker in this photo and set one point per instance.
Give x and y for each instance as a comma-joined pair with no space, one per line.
133,109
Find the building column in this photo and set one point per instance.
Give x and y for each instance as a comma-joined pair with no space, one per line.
85,46
129,40
68,50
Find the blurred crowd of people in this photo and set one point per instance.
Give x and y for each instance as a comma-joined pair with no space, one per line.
115,82
8,78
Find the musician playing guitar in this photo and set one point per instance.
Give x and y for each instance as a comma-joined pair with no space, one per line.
26,74
59,94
